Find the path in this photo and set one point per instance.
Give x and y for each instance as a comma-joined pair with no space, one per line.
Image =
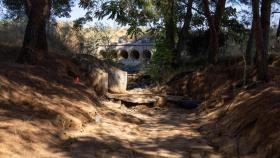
140,132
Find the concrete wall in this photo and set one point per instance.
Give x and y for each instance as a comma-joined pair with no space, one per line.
130,54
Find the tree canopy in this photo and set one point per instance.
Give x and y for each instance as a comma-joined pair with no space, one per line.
172,22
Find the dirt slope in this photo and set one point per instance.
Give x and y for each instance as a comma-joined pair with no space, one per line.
240,122
37,107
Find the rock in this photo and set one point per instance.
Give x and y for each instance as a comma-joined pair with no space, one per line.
161,101
98,79
94,70
117,80
188,104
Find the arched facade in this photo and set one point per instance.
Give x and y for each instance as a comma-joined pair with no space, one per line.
132,53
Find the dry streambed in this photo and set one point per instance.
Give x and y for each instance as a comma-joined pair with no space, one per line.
140,132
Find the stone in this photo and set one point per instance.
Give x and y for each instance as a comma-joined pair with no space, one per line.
188,104
91,67
117,82
98,79
161,101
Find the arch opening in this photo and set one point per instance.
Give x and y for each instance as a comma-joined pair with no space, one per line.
123,54
147,55
103,53
135,55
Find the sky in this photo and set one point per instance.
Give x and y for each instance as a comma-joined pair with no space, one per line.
78,12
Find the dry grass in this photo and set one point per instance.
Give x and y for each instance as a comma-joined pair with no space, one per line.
63,38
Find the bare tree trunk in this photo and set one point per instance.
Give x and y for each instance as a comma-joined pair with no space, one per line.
278,33
214,22
248,53
248,56
213,47
265,22
170,26
261,39
184,33
35,46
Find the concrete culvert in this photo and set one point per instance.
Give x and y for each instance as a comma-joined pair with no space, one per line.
103,53
147,55
123,54
135,55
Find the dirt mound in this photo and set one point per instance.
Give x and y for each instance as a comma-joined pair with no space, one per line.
205,84
239,121
250,125
37,107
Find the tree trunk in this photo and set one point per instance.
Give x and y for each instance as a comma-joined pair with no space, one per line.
214,22
213,47
184,33
265,22
35,46
170,34
170,26
249,47
278,33
261,39
248,57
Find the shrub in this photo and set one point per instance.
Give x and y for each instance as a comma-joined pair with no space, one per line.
161,63
109,54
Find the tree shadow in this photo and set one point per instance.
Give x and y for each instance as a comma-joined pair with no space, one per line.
90,147
109,146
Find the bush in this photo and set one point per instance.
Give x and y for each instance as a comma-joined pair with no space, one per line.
109,54
161,64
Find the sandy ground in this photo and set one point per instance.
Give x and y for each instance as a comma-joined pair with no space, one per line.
140,132
44,115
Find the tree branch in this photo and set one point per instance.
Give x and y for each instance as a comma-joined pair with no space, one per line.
276,12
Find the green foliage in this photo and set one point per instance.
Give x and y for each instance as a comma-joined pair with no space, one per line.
110,54
60,8
236,30
161,63
135,32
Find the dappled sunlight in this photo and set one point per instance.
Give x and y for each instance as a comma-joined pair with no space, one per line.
151,137
57,118
36,110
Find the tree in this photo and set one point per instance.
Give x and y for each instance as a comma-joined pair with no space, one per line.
169,22
35,45
278,33
214,22
184,32
261,31
38,12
